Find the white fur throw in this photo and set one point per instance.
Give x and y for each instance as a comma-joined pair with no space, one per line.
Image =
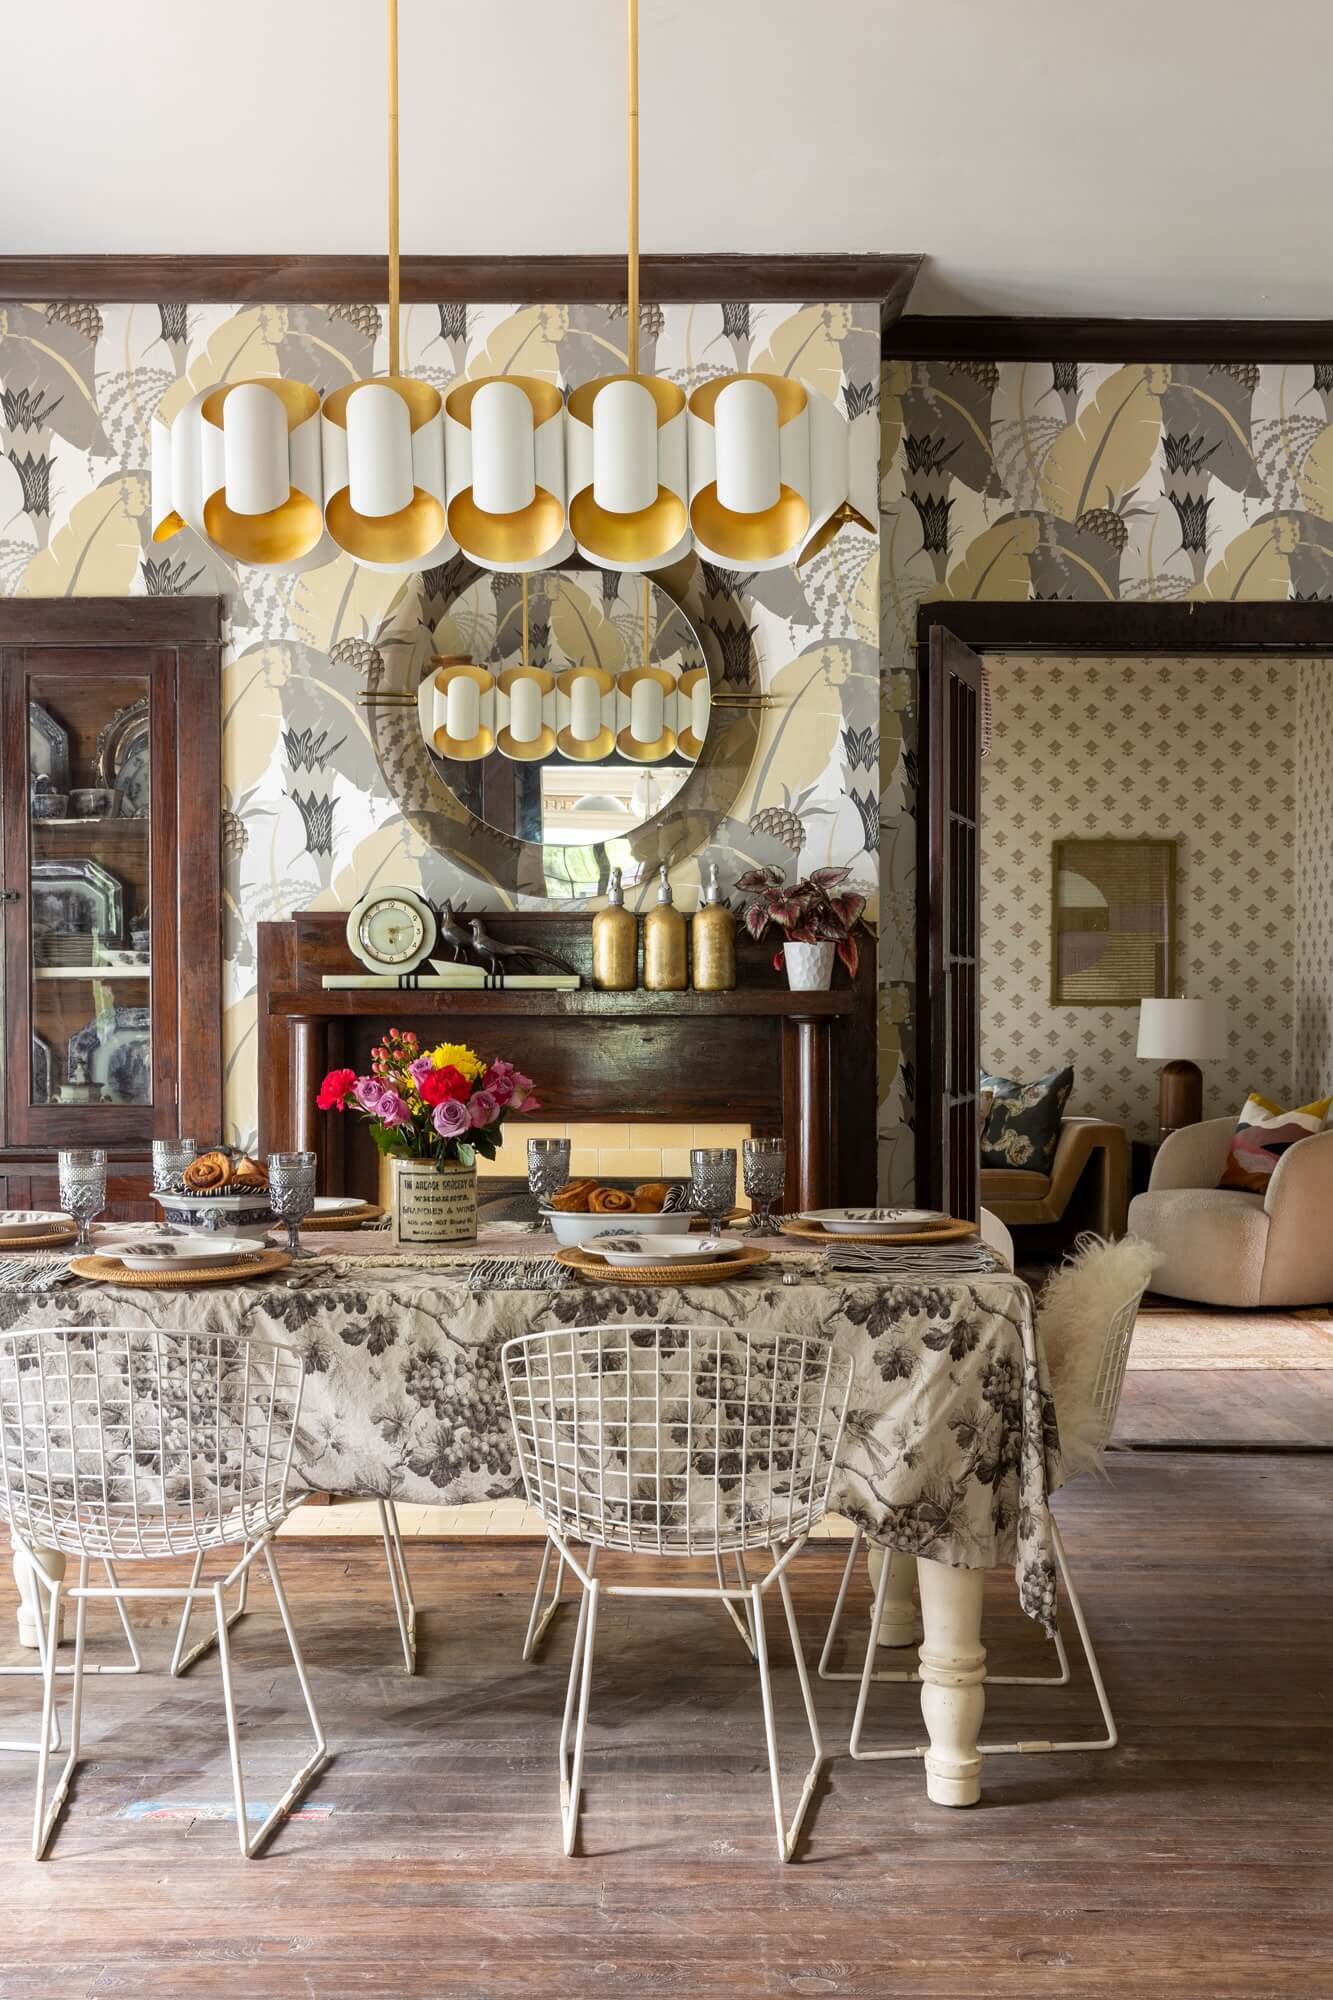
1077,1304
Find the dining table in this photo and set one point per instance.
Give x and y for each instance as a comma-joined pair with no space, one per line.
949,1453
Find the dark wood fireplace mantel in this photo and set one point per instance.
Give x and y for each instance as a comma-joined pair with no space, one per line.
800,1064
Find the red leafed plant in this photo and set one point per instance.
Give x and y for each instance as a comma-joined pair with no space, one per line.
804,912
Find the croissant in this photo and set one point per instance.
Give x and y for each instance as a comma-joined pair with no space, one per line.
208,1170
249,1173
573,1197
609,1201
650,1198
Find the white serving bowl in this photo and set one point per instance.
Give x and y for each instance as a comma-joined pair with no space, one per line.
574,1229
231,1214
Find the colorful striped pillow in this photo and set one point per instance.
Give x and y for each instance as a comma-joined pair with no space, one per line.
1263,1134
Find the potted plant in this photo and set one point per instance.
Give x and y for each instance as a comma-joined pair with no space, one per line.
431,1112
813,920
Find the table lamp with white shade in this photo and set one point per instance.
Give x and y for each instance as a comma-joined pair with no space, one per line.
1180,1034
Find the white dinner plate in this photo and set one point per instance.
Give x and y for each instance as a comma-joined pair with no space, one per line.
631,1250
182,1253
16,1223
338,1204
873,1221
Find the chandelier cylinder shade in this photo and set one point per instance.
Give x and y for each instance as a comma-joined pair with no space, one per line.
178,471
261,473
750,470
505,467
384,473
626,445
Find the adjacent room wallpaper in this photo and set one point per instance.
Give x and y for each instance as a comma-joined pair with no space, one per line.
1314,882
1199,751
1095,481
308,820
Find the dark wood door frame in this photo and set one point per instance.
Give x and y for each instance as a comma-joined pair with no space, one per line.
1027,627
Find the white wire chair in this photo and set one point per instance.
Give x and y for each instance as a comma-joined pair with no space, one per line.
135,1444
678,1441
1106,1391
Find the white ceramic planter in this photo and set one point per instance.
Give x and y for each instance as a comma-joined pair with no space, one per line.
433,1205
809,967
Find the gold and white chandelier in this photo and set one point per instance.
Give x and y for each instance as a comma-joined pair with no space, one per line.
753,471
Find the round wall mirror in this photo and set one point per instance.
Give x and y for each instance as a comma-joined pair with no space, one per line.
570,722
567,708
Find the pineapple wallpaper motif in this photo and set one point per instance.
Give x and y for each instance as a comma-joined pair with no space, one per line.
1159,482
307,819
1201,752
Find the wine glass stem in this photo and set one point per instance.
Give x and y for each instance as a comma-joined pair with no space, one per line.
293,1236
83,1241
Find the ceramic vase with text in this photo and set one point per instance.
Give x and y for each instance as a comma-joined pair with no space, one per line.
431,1112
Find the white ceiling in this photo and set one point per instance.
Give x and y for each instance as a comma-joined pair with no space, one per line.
1159,157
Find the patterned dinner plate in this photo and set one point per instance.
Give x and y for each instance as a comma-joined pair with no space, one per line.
874,1221
630,1252
16,1223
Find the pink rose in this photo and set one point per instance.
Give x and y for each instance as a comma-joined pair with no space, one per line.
523,1094
499,1081
392,1109
369,1093
450,1119
483,1109
420,1068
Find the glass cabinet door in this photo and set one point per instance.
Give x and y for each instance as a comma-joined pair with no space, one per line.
81,928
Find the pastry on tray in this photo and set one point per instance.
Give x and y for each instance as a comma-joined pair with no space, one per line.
609,1201
219,1172
649,1198
573,1197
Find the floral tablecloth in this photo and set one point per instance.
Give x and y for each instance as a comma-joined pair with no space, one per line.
950,1449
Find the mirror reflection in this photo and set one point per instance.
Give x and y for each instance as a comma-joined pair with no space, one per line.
566,708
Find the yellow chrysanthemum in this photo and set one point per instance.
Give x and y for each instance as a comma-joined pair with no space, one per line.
456,1055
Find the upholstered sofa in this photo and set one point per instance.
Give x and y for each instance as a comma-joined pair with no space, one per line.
1091,1157
1226,1248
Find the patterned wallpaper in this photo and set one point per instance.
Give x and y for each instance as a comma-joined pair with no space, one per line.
1093,481
1202,752
1313,1077
308,819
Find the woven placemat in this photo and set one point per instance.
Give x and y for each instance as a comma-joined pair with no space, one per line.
350,1218
50,1239
813,1232
110,1271
710,1271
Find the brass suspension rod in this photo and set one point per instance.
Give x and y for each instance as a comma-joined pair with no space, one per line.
394,351
632,342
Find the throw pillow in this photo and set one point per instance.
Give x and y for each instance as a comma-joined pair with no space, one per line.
1023,1129
1263,1134
985,1100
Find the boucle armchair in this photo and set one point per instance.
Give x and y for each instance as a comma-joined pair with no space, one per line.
1225,1248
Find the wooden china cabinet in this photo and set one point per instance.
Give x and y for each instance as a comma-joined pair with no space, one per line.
110,873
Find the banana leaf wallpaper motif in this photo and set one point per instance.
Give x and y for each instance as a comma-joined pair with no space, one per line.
308,819
1158,482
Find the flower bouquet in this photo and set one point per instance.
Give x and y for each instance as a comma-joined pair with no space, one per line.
431,1111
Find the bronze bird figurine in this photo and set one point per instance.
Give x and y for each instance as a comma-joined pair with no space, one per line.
452,933
493,954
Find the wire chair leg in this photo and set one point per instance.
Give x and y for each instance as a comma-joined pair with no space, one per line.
816,1738
539,1619
400,1583
134,1666
830,1637
251,1843
181,1661
745,1626
580,1684
45,1814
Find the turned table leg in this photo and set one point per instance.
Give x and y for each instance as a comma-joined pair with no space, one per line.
898,1625
953,1680
34,1605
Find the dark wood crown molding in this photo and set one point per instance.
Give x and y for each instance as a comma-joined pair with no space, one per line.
1119,627
116,621
921,337
884,280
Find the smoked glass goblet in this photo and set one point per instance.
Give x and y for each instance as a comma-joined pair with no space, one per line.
82,1171
713,1183
548,1167
765,1166
291,1193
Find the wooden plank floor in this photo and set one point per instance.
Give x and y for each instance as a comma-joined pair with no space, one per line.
1195,1863
1228,1407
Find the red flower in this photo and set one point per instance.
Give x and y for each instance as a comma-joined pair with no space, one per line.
440,1086
336,1089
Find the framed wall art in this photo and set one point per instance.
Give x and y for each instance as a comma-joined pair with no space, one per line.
1113,922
